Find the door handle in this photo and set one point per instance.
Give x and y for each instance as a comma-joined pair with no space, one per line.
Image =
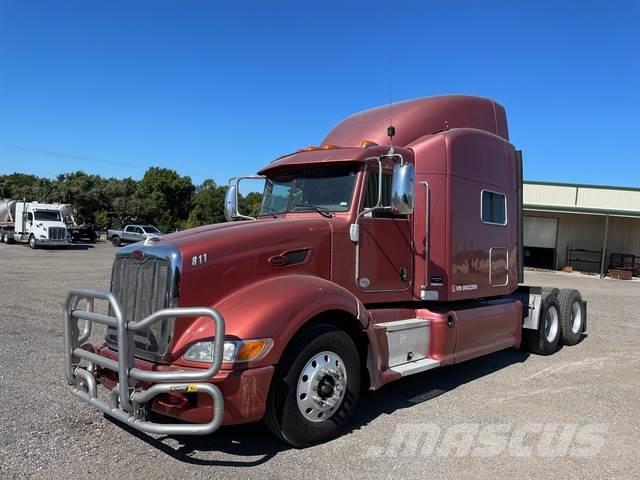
403,274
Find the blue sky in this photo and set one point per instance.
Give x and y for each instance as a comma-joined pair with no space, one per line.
216,89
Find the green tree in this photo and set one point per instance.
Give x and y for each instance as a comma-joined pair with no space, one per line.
250,204
85,192
207,204
163,198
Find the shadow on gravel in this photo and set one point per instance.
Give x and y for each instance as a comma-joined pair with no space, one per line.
415,389
255,440
80,246
252,440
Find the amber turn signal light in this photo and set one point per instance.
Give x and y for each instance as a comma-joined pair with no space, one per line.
249,350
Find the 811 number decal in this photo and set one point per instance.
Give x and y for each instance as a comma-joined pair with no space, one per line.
198,259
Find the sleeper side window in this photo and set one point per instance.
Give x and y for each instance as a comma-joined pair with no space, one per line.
494,208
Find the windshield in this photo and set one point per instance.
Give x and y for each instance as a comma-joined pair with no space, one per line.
150,229
47,215
327,189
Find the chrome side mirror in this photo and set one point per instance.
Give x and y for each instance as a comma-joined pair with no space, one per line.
402,191
231,203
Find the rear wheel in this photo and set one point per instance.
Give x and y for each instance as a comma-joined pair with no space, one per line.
115,241
545,340
572,314
316,387
32,242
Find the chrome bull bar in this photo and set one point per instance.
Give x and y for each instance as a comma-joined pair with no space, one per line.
126,403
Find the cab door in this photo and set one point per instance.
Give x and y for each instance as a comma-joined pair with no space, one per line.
27,222
133,234
384,247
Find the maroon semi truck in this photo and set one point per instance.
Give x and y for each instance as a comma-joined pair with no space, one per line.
381,253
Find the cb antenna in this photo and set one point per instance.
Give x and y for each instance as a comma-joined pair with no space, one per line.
391,130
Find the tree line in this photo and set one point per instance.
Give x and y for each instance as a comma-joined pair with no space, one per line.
161,197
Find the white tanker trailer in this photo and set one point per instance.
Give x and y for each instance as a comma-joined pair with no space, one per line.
39,224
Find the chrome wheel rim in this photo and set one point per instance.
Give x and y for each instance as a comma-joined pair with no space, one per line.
322,385
551,324
576,317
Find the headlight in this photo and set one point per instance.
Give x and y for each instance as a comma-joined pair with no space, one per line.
237,351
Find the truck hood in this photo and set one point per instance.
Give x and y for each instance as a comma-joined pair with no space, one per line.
48,224
218,260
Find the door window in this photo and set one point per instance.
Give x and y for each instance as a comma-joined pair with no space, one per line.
371,196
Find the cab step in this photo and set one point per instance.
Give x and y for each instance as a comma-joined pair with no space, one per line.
416,366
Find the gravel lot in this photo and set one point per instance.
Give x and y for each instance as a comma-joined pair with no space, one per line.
46,433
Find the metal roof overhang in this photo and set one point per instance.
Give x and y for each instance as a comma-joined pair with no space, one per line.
580,210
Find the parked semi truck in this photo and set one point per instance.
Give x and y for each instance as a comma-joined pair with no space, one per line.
39,224
381,253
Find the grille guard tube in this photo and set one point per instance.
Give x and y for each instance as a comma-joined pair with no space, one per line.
126,404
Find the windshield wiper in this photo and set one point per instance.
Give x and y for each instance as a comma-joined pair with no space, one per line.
322,211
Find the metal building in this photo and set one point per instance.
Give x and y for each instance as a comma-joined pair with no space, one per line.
588,227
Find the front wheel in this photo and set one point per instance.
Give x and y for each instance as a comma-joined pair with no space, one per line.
32,242
316,388
115,241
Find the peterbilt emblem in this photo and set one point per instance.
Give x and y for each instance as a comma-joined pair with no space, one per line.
137,255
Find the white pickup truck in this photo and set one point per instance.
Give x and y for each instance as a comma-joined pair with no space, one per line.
132,234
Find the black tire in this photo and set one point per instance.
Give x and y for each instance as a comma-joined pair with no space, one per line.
32,242
116,241
283,415
573,315
550,291
3,237
544,340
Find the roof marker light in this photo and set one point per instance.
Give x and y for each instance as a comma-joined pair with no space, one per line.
368,143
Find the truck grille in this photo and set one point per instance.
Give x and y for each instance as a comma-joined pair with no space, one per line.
57,233
143,288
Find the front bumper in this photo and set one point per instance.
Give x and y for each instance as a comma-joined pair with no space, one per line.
244,392
136,387
53,243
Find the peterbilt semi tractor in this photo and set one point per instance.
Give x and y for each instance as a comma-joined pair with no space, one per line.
38,224
383,252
